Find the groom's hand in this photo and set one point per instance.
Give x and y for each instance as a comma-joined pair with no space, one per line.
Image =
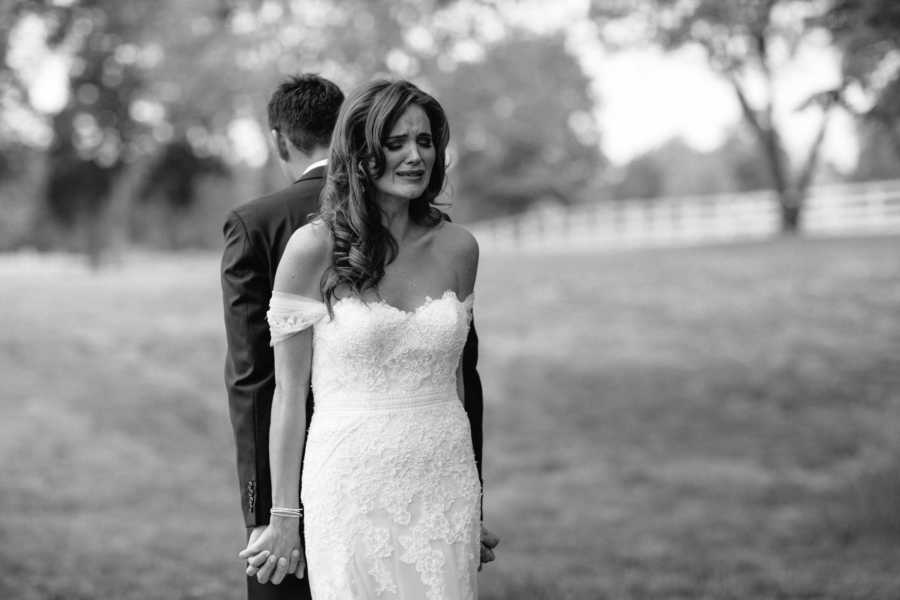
489,541
255,562
255,533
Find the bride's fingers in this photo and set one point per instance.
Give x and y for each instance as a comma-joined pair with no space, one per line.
265,572
301,568
281,570
294,562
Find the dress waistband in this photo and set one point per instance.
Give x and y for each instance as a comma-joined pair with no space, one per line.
367,402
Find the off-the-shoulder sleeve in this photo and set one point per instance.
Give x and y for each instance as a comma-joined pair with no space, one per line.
290,314
469,302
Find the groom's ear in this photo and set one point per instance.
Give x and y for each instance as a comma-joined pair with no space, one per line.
280,145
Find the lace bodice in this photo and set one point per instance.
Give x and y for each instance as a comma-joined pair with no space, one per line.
371,353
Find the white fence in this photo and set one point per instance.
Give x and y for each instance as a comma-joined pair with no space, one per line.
841,209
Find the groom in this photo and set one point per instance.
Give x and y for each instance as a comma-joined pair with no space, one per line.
302,113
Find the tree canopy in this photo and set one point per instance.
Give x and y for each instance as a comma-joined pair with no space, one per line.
146,83
746,41
523,127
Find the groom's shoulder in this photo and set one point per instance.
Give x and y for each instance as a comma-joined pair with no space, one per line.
253,209
293,203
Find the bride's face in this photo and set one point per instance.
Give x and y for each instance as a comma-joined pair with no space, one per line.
408,156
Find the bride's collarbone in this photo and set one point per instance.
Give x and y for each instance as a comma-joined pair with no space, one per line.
417,274
410,295
407,289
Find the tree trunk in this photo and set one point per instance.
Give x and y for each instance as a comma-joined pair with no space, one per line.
791,204
122,198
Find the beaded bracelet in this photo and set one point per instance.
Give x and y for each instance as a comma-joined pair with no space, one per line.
282,511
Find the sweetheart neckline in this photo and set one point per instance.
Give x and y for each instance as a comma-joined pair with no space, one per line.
448,294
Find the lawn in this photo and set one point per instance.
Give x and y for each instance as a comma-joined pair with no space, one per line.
717,422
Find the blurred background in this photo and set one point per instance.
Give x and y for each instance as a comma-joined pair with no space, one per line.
689,297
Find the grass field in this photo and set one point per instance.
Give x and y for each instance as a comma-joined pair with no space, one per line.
717,423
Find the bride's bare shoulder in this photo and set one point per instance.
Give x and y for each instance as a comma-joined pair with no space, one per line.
311,240
459,248
305,258
457,241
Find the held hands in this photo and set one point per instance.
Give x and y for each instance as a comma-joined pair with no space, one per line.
267,550
489,541
274,551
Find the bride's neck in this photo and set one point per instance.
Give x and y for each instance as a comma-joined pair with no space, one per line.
395,216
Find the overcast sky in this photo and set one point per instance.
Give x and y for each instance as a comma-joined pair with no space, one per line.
646,96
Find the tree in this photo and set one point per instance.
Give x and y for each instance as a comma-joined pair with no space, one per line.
642,177
522,125
868,31
151,80
94,132
740,38
677,169
878,152
145,74
101,144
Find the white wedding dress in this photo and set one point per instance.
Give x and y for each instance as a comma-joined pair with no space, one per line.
390,490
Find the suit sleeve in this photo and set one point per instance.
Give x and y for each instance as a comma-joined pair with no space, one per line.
473,401
249,377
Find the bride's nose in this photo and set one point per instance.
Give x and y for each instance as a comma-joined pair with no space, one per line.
413,156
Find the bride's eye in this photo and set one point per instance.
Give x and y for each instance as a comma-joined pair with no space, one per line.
394,143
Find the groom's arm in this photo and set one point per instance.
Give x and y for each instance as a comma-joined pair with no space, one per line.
249,376
473,400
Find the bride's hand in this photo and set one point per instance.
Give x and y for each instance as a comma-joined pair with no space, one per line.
275,551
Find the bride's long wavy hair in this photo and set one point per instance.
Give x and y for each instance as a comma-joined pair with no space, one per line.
363,246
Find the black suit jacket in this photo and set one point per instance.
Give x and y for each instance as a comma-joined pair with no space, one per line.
255,237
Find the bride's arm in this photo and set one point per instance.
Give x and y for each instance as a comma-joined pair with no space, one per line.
466,267
298,273
287,436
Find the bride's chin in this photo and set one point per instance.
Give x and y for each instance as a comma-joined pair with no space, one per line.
411,195
405,193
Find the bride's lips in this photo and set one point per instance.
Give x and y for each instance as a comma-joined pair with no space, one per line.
411,174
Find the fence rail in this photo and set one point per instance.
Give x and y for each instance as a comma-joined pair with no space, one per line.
838,209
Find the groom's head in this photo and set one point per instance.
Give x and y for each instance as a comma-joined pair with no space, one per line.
302,113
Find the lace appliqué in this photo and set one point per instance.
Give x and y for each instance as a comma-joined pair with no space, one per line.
390,489
390,351
290,314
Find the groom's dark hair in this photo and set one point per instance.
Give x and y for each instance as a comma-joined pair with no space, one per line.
304,109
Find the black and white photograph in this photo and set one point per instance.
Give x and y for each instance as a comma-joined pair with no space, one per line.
449,299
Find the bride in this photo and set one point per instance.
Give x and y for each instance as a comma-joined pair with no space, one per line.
373,301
